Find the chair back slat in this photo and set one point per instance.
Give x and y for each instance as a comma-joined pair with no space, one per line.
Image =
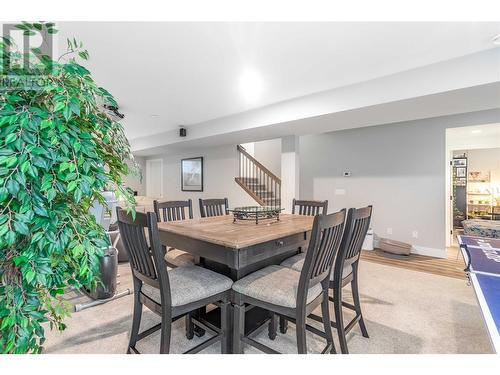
358,225
213,207
326,236
309,208
173,210
134,240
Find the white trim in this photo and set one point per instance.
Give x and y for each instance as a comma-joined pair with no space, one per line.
148,163
429,251
488,318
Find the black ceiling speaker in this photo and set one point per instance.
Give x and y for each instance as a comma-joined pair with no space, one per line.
182,132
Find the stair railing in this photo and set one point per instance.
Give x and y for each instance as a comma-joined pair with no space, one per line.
258,181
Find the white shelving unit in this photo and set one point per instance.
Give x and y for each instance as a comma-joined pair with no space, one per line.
479,196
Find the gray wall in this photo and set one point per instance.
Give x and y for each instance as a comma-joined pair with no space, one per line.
220,167
269,154
398,168
485,159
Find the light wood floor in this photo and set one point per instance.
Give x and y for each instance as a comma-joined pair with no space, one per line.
452,266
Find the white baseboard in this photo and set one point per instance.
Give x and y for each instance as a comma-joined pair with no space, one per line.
429,251
422,250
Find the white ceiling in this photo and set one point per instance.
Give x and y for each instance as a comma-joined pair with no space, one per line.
473,137
186,73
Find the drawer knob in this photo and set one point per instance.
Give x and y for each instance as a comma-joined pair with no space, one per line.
279,243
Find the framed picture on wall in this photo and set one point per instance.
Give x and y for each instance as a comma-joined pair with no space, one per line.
192,174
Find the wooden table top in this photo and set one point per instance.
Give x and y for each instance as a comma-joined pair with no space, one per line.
221,230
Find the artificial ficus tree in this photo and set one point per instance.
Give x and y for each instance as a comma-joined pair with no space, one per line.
59,151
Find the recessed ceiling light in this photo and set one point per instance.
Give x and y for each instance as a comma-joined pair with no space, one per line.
496,40
477,131
155,115
251,85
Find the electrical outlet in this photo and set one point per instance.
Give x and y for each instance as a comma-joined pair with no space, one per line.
389,230
414,234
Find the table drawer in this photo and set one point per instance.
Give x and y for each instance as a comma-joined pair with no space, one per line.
257,253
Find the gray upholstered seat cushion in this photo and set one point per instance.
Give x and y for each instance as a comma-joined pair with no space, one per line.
274,284
189,284
297,262
179,258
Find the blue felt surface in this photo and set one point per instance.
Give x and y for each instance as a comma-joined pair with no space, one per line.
484,254
490,286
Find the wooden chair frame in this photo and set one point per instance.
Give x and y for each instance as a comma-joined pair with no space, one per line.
357,224
309,208
214,207
173,210
148,267
325,240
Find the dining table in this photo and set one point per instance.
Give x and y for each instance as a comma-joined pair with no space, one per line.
237,248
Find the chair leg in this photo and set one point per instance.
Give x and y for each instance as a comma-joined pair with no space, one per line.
189,327
300,328
357,304
272,328
337,304
239,328
136,320
325,315
283,325
198,331
224,326
166,330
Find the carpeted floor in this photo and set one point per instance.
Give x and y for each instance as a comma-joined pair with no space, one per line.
405,312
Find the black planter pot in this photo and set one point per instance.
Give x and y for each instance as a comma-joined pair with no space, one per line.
109,270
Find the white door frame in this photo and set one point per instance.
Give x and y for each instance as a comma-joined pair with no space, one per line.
148,175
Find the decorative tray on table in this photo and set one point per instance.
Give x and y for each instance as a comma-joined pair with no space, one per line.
256,213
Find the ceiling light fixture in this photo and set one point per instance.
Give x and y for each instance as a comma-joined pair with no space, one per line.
496,40
477,131
251,85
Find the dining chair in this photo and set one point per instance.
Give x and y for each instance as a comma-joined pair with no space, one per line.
291,293
309,208
345,272
214,207
173,211
306,208
173,293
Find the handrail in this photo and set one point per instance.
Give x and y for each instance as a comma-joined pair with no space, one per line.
258,181
267,171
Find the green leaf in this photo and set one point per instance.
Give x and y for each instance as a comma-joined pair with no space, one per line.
21,228
20,260
6,323
13,187
10,138
25,166
30,276
3,193
72,186
59,106
67,113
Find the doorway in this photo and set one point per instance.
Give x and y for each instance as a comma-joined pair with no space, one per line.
473,177
154,178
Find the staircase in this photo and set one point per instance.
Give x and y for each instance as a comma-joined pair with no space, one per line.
258,181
